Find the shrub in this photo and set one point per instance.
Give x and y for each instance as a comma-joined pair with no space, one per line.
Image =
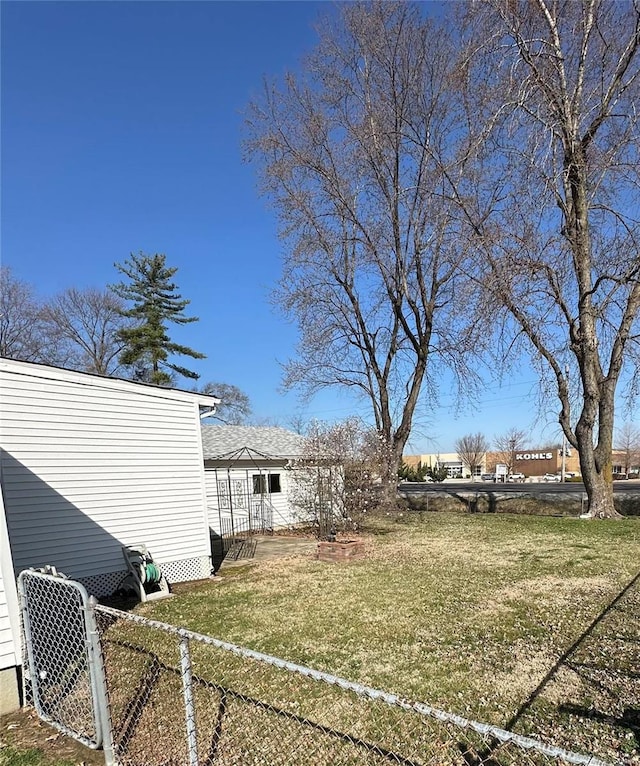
412,473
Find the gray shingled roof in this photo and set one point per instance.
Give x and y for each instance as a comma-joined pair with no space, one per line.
258,441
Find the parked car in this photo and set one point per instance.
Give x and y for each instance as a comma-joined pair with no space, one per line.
488,477
620,476
551,477
516,477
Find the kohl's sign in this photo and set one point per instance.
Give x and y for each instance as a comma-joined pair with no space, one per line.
535,456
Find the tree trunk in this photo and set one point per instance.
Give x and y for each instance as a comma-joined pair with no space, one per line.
597,477
389,464
389,485
600,493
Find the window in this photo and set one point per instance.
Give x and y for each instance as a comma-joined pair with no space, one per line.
259,484
274,482
266,482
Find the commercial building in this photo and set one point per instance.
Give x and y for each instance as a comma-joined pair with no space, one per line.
536,461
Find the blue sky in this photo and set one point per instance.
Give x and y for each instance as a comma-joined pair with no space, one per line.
121,132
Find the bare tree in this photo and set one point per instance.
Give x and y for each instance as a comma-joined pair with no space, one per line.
334,487
507,444
86,325
553,90
21,335
298,423
628,442
234,407
471,449
353,154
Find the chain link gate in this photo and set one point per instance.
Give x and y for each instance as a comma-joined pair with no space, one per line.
63,672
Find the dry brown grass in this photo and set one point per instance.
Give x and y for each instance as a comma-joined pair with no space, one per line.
468,613
509,620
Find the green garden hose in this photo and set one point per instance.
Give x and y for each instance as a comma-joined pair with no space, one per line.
151,573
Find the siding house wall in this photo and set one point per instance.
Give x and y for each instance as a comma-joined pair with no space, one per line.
90,464
9,624
9,638
7,645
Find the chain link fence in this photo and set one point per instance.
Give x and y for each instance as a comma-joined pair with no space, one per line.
177,697
153,694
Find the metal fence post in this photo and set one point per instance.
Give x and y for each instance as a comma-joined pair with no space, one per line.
30,689
189,708
96,665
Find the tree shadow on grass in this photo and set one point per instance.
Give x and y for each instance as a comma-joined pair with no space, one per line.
605,659
604,662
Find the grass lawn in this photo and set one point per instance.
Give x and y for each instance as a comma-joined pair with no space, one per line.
11,756
505,619
26,741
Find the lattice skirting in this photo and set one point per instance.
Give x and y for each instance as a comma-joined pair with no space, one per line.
187,569
175,571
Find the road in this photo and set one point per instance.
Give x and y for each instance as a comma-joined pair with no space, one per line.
529,487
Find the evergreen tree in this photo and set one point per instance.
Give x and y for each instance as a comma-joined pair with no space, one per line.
155,303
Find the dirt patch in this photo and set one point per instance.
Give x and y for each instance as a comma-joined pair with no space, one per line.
25,731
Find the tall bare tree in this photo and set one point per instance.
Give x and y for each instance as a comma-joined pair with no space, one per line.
471,449
628,442
507,444
353,154
21,335
553,90
298,423
86,323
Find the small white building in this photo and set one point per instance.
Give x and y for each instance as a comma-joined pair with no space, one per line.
89,464
248,477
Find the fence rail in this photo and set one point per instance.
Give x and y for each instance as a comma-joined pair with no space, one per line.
173,697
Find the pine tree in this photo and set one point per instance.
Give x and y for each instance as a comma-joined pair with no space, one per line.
147,345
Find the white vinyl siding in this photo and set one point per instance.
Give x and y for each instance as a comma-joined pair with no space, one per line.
7,647
9,619
282,511
91,464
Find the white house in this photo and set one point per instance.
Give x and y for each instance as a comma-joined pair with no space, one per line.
89,464
249,484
